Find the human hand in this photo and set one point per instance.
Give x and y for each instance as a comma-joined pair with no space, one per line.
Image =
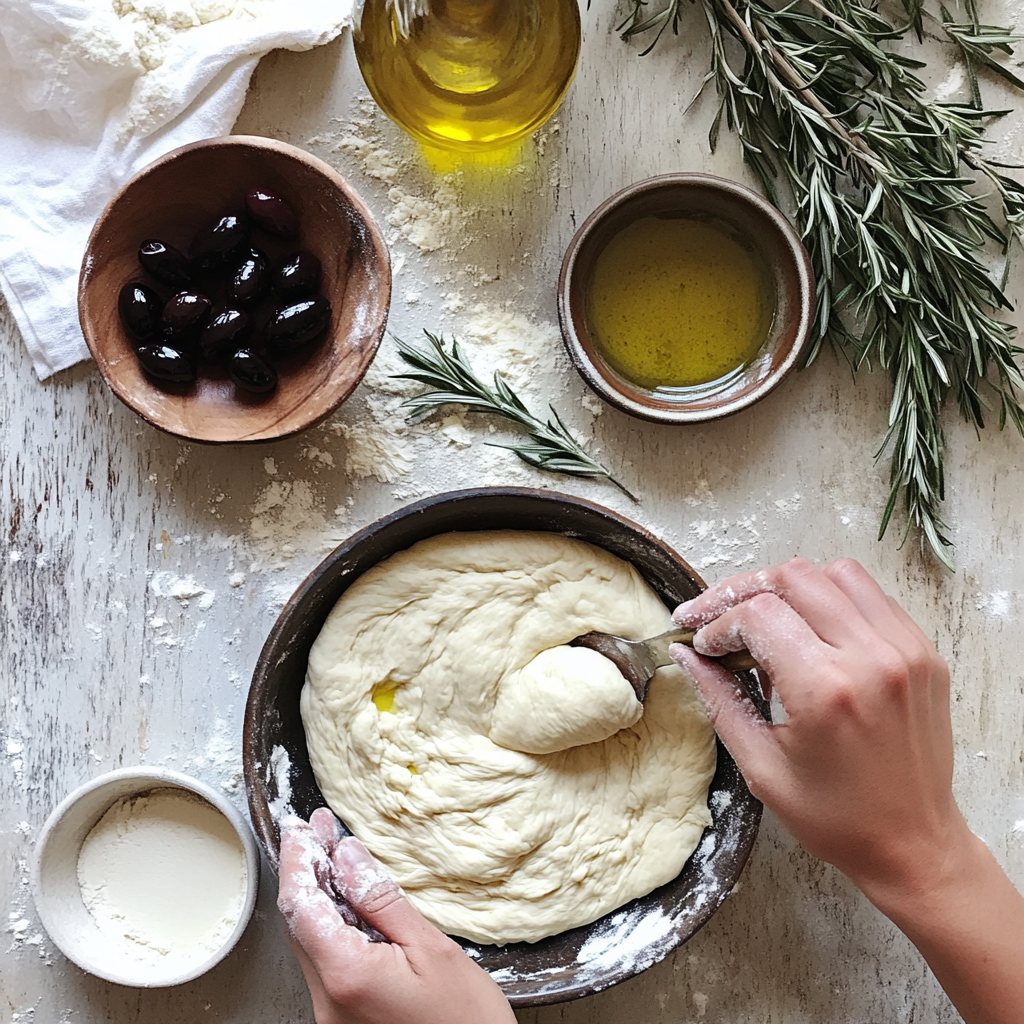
419,976
861,770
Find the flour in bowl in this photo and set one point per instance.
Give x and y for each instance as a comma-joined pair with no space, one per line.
164,876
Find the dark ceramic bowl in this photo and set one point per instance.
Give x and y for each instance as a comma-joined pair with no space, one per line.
577,962
758,224
173,197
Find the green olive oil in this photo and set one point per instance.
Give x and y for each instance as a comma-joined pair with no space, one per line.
678,302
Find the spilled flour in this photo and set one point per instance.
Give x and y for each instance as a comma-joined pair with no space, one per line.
526,352
278,776
288,518
221,758
423,222
182,588
382,445
432,219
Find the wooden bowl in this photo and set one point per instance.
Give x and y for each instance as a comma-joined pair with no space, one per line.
171,199
574,963
756,221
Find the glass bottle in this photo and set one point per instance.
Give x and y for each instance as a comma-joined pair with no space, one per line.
471,74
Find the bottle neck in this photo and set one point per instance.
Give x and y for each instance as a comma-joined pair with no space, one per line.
474,17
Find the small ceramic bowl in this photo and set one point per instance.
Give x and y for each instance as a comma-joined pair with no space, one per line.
279,776
754,220
171,199
58,897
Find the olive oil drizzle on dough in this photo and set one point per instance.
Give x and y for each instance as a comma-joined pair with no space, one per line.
678,301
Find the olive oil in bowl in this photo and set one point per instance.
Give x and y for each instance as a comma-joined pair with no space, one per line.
472,74
679,301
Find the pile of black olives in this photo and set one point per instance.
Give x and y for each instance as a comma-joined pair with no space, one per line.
231,303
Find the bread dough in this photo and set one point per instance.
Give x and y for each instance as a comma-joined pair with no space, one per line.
565,697
406,684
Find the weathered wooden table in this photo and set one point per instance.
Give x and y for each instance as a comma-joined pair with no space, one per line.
140,575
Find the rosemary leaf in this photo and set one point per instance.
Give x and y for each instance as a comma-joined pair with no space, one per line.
835,121
453,381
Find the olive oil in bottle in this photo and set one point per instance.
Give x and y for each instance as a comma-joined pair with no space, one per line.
472,74
678,302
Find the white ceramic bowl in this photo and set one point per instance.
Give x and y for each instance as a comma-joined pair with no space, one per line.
58,897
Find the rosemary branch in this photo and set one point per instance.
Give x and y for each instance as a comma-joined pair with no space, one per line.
454,382
830,116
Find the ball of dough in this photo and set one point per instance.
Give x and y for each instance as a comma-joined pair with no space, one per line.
493,844
565,697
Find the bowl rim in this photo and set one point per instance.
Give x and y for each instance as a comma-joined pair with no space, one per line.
253,142
281,638
739,194
148,778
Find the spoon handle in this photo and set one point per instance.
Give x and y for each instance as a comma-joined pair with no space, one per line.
734,661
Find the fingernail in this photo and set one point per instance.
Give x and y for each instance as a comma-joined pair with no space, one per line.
357,871
326,826
678,653
681,614
690,664
353,854
703,644
684,656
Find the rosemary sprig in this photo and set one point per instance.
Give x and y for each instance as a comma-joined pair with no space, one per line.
454,382
838,123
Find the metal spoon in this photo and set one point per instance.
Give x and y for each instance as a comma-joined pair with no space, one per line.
638,660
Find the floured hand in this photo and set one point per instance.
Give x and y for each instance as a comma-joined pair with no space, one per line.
419,976
861,769
861,772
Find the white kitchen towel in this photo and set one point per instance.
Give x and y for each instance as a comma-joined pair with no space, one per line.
90,92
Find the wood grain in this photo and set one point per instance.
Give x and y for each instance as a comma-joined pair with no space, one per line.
103,667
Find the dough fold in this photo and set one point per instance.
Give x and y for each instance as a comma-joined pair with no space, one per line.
566,697
432,651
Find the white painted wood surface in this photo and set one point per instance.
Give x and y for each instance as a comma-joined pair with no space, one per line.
140,575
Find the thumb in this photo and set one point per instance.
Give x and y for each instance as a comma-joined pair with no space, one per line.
372,893
746,735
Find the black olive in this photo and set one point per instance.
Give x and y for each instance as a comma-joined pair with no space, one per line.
294,325
297,276
251,373
166,363
183,317
164,262
139,307
250,278
227,330
272,213
218,242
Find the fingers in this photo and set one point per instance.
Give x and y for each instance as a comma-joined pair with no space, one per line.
791,653
326,827
746,735
375,897
806,589
311,914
